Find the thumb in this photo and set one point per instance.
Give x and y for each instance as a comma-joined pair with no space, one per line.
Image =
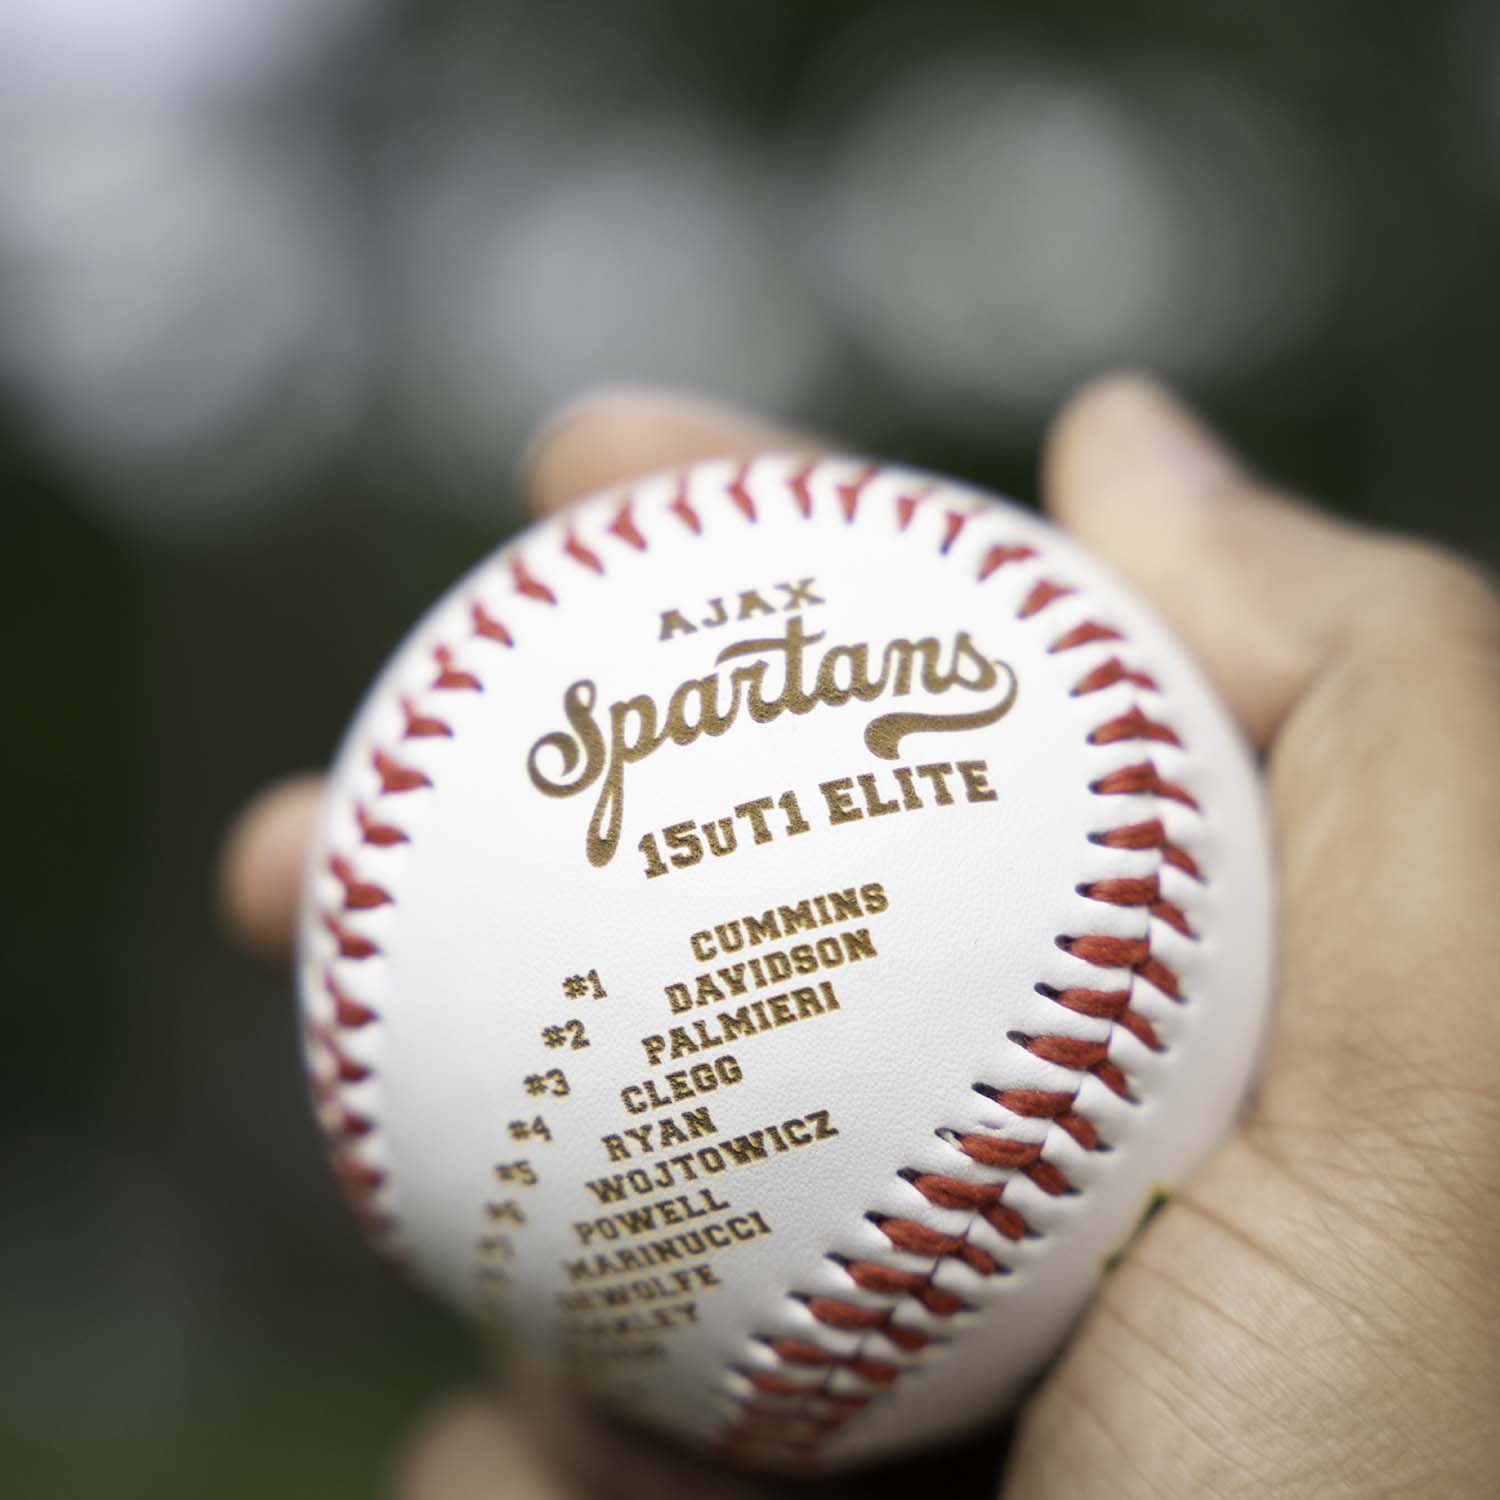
1369,666
1257,584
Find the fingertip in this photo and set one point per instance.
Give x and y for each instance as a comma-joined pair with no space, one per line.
1244,573
616,433
1125,437
260,864
535,1440
469,1447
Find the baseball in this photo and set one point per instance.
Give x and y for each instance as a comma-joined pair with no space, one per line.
774,930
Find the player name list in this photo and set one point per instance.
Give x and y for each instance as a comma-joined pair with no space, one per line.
682,1179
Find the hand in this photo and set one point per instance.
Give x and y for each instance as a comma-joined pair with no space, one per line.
1317,1313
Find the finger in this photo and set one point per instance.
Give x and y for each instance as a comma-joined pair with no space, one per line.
1376,665
260,864
600,440
538,1443
471,1448
610,436
1256,584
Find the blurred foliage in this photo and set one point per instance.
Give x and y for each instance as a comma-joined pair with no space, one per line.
186,1310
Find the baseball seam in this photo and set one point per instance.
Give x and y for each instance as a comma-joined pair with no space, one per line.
784,1416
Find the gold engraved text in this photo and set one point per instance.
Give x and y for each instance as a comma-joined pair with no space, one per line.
596,748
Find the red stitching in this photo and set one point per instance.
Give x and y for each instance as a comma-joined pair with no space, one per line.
1141,891
339,1123
982,1198
682,508
883,1281
356,1176
906,506
1079,1057
1085,635
739,494
350,1125
801,495
487,626
450,678
1043,592
395,777
359,895
849,493
581,554
1107,674
422,726
624,527
343,1125
1142,780
382,835
794,1427
1133,725
793,1415
799,1352
848,1316
1126,953
953,523
342,1128
348,1013
1047,1104
1149,835
919,1239
1001,554
350,944
1024,1157
528,585
346,1069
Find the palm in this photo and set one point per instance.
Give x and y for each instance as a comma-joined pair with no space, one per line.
1302,1318
1193,1355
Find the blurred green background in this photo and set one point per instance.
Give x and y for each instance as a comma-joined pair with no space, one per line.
283,286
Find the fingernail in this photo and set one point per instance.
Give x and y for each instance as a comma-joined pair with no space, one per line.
639,404
1154,431
568,412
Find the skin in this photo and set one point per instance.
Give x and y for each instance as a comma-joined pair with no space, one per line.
1318,1312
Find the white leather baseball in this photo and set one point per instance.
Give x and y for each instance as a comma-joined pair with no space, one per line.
773,930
